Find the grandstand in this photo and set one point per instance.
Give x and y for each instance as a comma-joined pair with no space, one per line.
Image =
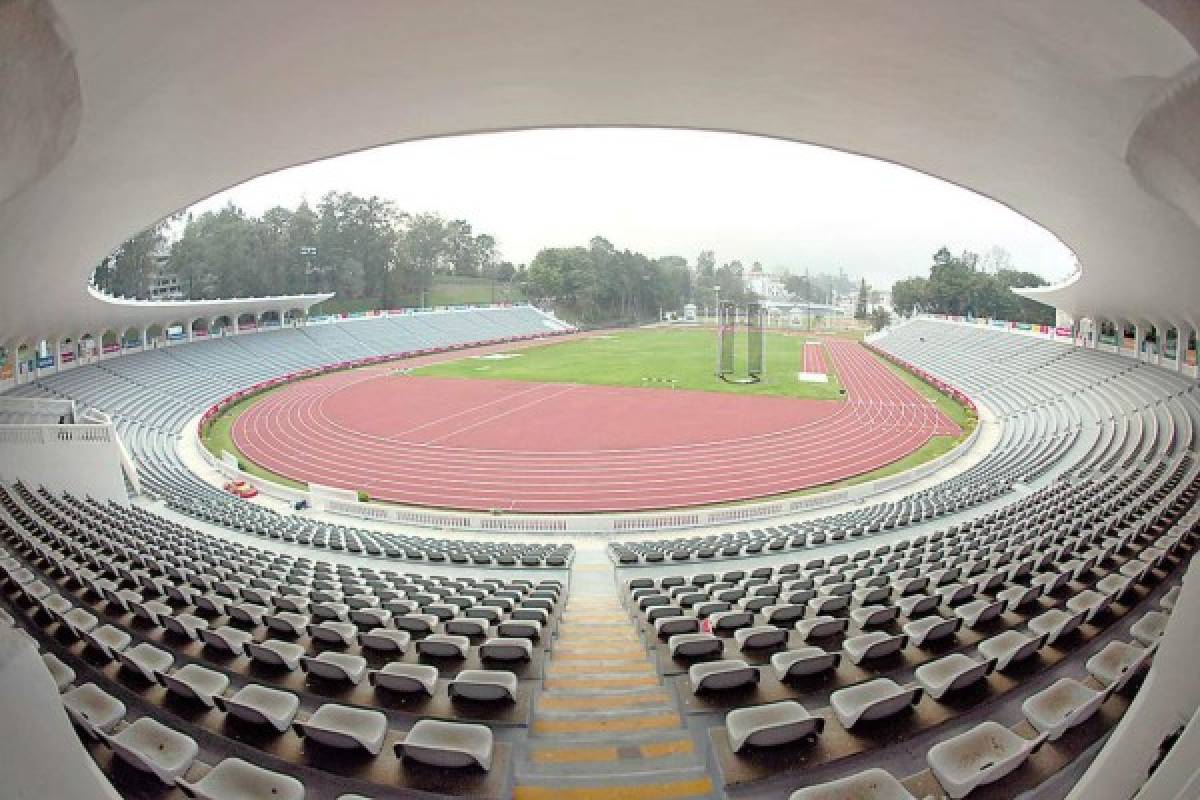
1011,619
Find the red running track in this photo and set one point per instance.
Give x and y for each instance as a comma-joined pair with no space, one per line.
814,358
555,447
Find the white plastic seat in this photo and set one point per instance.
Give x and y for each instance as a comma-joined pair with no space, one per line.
371,617
876,644
872,700
1062,705
146,660
1015,597
448,745
62,674
520,629
871,616
399,677
784,614
151,610
1169,599
188,625
914,604
335,667
92,708
261,705
670,626
506,648
443,645
771,725
1115,584
415,622
820,627
760,637
982,755
721,675
871,595
108,640
226,638
466,626
979,611
487,685
1118,662
1150,628
247,613
930,629
150,746
1010,647
803,661
1089,601
275,653
1056,623
289,623
385,640
731,620
341,634
55,605
337,612
951,673
693,645
870,784
234,779
195,683
345,727
828,603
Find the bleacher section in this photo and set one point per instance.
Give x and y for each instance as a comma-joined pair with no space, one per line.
152,395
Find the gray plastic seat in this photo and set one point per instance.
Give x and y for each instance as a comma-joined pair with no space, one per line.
485,685
416,623
289,623
275,653
760,637
870,784
226,638
821,626
234,779
1015,597
443,645
693,645
506,648
195,682
1150,628
1062,705
979,611
345,727
670,626
1089,601
930,629
771,725
876,644
339,634
261,705
152,747
803,661
872,616
872,700
1118,662
466,626
399,677
951,673
448,745
1056,623
108,640
335,667
93,709
721,675
385,640
980,756
62,674
1010,647
914,604
188,625
146,660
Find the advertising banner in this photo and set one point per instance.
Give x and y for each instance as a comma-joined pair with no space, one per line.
45,361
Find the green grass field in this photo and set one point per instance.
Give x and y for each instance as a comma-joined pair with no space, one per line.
629,358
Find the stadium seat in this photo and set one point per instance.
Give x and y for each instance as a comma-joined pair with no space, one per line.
985,754
872,700
235,779
771,725
448,745
345,727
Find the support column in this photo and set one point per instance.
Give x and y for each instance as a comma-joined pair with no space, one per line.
145,338
1181,345
1139,333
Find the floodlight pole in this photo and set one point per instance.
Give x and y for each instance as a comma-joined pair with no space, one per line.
717,313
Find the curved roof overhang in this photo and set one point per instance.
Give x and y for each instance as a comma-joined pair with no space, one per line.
1034,104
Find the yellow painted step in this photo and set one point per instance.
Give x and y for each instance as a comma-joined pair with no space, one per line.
581,755
671,790
606,668
601,702
629,682
597,653
648,722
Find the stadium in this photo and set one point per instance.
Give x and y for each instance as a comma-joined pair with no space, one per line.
254,545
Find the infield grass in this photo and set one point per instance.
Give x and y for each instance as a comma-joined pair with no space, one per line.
648,357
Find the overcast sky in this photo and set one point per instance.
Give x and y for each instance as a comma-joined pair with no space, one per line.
669,192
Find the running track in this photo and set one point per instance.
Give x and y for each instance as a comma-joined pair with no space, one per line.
553,447
814,358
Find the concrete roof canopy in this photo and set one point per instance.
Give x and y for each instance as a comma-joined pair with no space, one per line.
1074,113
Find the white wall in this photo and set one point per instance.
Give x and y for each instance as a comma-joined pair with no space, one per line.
81,459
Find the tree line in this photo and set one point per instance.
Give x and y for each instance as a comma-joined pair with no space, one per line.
960,286
358,247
